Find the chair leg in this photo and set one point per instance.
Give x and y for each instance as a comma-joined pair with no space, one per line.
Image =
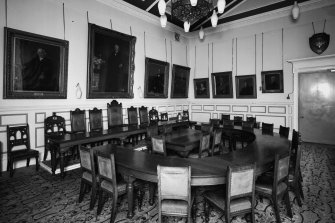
37,163
297,192
113,211
252,215
11,168
288,205
152,189
301,191
100,201
276,209
45,153
82,191
140,195
93,196
28,161
206,211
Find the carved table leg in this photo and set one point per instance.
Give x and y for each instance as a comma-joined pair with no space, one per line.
130,194
61,163
53,159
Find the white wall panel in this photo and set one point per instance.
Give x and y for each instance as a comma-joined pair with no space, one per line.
202,62
272,50
222,56
13,119
258,109
201,116
277,109
276,120
225,108
245,55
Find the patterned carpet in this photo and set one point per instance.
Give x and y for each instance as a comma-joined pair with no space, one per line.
39,197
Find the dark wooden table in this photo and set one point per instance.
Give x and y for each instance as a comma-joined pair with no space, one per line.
206,171
61,144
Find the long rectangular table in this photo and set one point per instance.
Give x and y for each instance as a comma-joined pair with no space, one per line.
61,144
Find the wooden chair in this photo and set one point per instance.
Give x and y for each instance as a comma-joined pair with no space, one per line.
144,116
158,145
267,128
114,114
78,121
224,117
214,122
18,136
238,195
238,120
248,126
132,116
152,130
153,116
204,147
95,119
172,201
88,176
53,126
164,116
228,124
276,186
167,129
186,115
108,183
284,131
217,147
251,119
295,177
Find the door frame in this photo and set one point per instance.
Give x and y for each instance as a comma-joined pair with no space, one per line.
307,65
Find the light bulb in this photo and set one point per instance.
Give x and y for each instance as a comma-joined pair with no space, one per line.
193,2
161,7
295,10
221,5
201,33
214,19
187,26
163,20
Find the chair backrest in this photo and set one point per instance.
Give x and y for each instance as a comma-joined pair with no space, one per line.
87,162
78,121
106,170
228,123
225,117
214,122
207,127
96,122
251,119
53,125
167,129
296,141
284,131
153,116
281,171
238,120
152,130
248,126
217,140
114,114
18,136
144,116
186,115
158,145
267,128
168,178
132,116
205,142
164,116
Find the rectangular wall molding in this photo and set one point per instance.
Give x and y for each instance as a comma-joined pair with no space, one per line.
224,108
277,109
208,107
196,108
276,120
238,108
39,137
39,117
13,119
258,109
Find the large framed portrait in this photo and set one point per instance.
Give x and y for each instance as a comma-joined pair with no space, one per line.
156,78
246,86
272,81
180,81
110,63
35,66
222,85
201,88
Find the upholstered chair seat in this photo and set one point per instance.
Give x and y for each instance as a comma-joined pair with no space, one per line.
121,186
267,187
175,207
204,146
196,155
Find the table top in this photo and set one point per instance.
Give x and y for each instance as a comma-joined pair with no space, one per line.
204,171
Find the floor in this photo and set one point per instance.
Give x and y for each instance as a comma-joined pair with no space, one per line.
32,196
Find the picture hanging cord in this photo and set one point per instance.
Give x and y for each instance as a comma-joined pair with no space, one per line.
324,25
145,53
212,57
262,51
111,24
171,52
186,57
208,60
236,57
282,49
255,53
195,60
6,12
131,32
232,55
165,51
88,20
64,20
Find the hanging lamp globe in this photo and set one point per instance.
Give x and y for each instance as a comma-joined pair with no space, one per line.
187,26
295,10
201,33
221,5
194,2
214,19
163,20
161,7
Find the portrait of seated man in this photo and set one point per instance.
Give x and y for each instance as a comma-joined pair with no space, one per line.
272,82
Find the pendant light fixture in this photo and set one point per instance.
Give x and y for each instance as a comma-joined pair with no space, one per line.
214,19
187,26
295,10
221,5
194,2
163,20
201,33
161,7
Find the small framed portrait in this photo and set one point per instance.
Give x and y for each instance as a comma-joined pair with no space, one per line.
222,85
35,66
156,78
180,81
246,86
201,88
272,81
110,63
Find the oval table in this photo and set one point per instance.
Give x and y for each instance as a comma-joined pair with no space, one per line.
205,171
